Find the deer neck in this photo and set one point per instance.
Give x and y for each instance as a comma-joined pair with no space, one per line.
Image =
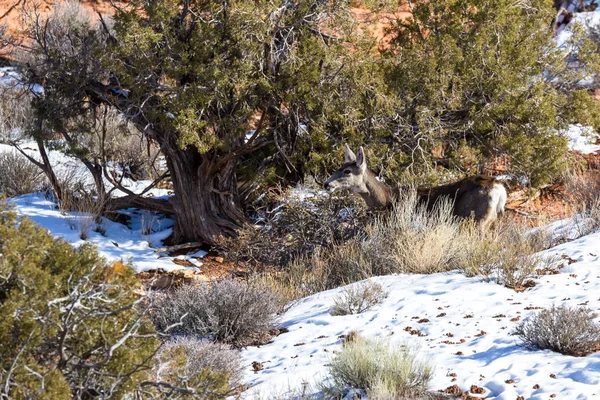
375,193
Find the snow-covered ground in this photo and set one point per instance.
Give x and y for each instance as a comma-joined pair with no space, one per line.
134,243
581,138
115,241
466,323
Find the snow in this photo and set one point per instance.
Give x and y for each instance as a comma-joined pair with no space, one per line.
135,242
587,20
10,77
456,304
582,138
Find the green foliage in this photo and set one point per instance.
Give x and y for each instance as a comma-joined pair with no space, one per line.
460,83
487,74
71,326
249,65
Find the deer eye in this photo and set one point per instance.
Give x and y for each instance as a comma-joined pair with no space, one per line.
347,172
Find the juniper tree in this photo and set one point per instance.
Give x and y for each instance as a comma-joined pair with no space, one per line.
71,326
230,90
484,78
223,87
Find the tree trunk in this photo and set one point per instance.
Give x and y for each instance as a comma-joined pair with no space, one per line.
206,203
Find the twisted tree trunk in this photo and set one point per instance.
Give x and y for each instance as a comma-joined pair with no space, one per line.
205,203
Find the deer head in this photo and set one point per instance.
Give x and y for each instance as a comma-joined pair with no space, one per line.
352,175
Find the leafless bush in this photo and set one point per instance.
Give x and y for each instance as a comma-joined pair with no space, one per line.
564,329
227,311
122,148
15,113
18,175
358,298
297,227
583,191
202,354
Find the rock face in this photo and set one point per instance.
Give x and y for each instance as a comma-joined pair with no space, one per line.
11,11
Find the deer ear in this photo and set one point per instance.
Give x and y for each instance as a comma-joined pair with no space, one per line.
361,160
349,155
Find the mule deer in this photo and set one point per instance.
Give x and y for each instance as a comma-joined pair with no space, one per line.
479,197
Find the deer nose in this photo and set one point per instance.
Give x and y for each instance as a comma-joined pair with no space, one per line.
326,185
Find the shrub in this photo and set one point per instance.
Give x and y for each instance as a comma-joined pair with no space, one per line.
583,192
120,145
16,114
201,355
71,326
412,239
337,266
358,298
227,311
508,252
376,366
564,329
297,227
19,176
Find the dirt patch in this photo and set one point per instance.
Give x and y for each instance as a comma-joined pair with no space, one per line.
213,268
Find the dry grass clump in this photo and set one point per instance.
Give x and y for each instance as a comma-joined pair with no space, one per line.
507,252
412,239
19,176
358,298
566,330
226,311
583,191
380,369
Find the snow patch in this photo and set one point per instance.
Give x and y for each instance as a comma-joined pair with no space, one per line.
452,304
582,138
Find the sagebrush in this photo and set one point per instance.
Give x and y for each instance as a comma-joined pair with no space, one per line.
358,298
227,311
19,176
564,329
200,355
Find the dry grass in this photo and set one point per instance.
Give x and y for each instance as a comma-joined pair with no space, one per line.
583,193
507,252
412,239
382,370
85,213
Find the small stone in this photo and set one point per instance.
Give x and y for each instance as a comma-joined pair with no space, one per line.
256,366
219,260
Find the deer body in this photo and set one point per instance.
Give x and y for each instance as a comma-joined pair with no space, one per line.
479,197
